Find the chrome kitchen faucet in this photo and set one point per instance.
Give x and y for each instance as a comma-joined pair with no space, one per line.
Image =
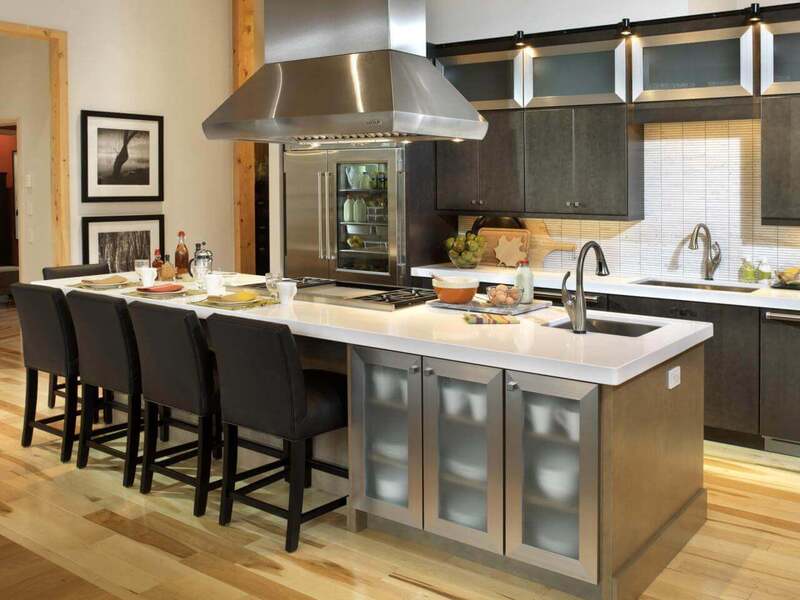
713,253
575,304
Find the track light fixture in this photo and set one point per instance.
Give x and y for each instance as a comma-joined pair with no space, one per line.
519,39
754,13
625,27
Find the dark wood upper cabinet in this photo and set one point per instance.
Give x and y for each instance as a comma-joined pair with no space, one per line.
780,160
485,176
584,161
780,377
549,161
731,356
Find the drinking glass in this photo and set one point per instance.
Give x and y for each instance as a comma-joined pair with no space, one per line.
271,280
139,264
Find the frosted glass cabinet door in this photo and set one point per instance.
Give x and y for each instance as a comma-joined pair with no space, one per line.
552,473
463,452
700,64
489,80
780,58
571,74
386,434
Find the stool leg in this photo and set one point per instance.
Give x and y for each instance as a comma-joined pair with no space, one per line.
87,412
217,434
205,444
309,456
108,411
132,443
70,415
166,415
229,463
51,391
150,440
297,476
287,454
31,390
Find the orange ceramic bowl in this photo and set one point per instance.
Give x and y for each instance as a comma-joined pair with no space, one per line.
455,290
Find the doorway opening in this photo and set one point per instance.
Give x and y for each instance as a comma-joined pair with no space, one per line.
9,238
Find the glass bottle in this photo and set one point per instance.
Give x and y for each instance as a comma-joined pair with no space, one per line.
167,271
523,279
360,210
747,271
764,273
181,255
347,210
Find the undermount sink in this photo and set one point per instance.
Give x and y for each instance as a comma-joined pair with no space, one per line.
620,328
697,286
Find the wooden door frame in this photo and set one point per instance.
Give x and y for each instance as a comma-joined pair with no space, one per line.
244,177
59,132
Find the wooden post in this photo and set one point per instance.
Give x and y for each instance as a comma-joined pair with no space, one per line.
244,182
59,133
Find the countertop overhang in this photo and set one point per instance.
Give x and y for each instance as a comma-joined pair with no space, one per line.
441,333
763,297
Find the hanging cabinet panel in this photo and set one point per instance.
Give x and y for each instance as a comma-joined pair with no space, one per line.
571,74
780,58
489,80
684,66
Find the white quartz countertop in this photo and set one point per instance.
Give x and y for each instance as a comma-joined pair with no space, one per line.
763,297
441,333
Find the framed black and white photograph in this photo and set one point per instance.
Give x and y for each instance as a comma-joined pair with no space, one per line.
122,157
120,240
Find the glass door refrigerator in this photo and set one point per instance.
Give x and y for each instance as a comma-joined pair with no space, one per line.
344,212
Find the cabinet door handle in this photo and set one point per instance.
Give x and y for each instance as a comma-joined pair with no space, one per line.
789,318
473,202
569,203
413,369
428,371
577,205
512,386
480,202
320,220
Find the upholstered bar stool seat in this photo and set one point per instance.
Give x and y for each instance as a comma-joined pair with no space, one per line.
177,369
48,345
56,388
109,358
264,388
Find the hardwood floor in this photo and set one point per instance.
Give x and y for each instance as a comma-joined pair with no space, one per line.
70,534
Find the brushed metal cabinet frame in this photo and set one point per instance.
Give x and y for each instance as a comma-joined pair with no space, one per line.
433,369
585,567
744,88
518,56
768,84
360,357
620,74
395,198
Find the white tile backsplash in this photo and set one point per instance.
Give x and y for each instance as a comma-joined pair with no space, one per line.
693,172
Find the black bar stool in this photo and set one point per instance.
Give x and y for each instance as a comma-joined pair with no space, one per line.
177,373
264,388
48,344
109,359
56,388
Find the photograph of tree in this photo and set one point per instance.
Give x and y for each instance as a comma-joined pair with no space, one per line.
123,157
120,248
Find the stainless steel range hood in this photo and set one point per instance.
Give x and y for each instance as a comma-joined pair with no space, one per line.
345,70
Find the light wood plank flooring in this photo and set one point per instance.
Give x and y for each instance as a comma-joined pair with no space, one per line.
80,534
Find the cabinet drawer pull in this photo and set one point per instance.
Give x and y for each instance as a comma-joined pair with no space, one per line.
413,369
480,202
428,371
772,316
556,296
569,203
577,205
512,386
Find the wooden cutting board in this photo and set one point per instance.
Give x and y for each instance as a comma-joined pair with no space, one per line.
494,235
541,244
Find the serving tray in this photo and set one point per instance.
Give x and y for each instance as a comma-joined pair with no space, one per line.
481,306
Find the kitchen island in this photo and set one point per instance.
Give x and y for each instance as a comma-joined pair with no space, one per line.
575,460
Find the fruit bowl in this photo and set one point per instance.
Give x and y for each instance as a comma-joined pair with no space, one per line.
465,251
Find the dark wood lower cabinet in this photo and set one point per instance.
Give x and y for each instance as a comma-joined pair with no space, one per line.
780,376
731,357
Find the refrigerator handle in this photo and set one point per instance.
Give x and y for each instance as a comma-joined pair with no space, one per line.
320,254
330,254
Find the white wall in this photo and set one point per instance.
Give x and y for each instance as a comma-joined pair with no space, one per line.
170,58
25,98
459,20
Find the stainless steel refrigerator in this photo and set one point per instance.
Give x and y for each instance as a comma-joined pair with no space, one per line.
344,211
